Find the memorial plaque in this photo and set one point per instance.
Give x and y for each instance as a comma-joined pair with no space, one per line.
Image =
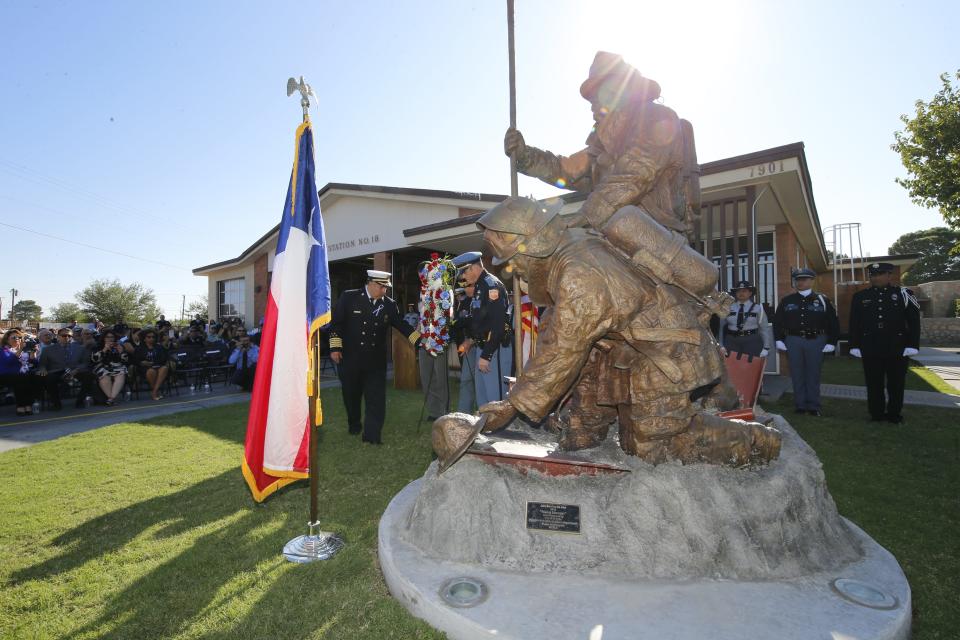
560,518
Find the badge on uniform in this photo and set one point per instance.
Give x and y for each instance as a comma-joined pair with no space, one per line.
894,296
816,303
494,294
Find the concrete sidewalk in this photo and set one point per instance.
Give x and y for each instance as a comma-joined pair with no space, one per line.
943,361
926,398
49,425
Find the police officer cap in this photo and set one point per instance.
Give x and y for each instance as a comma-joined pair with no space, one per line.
380,277
744,284
879,267
804,273
466,259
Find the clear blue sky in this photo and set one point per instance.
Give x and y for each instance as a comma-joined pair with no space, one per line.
163,129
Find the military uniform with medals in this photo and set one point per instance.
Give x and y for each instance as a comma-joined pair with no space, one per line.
358,331
884,332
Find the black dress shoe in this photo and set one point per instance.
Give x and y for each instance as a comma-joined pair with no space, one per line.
799,411
431,418
895,419
877,418
815,413
354,431
372,441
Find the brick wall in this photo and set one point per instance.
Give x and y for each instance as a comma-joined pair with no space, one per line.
938,297
940,332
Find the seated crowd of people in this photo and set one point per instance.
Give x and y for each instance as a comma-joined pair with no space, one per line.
99,363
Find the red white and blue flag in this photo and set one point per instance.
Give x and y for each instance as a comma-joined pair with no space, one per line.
278,428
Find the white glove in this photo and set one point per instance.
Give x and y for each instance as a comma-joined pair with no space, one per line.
764,352
856,353
781,346
829,348
910,351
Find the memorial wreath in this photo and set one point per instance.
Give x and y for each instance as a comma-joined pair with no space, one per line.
437,277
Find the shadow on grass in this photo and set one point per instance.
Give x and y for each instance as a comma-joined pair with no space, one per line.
193,507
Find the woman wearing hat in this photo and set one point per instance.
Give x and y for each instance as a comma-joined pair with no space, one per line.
746,329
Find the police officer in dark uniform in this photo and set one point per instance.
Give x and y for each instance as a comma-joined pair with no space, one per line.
490,333
358,344
467,402
884,333
806,327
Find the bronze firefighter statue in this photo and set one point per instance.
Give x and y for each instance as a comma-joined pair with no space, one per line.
625,337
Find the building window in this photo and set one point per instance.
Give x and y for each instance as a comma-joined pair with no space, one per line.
230,296
740,270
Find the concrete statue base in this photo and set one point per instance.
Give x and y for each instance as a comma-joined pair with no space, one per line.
496,550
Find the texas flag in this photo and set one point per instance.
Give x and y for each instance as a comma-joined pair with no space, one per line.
278,428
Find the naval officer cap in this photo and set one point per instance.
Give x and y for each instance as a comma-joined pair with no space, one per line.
804,273
877,268
466,259
380,277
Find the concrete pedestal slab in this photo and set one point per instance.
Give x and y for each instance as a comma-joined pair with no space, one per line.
523,606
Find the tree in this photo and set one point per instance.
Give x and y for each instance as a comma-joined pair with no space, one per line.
112,302
936,262
197,308
930,150
67,312
26,310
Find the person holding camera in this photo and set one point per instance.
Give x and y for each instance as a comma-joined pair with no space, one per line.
15,363
244,358
110,366
151,361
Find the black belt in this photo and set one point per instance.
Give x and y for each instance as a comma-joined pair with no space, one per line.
809,335
745,332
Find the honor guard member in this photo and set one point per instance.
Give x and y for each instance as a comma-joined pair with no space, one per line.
746,329
805,326
358,344
884,333
489,330
467,402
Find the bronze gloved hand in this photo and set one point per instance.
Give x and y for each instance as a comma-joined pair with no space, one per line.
499,414
513,142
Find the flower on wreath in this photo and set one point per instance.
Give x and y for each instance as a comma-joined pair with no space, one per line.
437,277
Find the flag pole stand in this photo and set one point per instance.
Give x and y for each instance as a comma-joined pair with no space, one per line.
316,544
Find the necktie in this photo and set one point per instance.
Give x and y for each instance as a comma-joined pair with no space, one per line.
244,365
740,318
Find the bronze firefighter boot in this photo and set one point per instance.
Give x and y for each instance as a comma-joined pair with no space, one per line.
583,422
717,440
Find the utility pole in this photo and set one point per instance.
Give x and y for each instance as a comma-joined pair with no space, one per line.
183,308
13,301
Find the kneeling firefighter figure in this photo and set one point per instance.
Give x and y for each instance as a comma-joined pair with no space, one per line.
623,339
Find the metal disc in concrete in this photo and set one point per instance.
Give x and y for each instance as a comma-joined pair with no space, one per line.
868,599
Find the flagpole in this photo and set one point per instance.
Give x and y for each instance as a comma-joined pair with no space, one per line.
316,544
514,192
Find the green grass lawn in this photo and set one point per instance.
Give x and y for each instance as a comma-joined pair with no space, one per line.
147,530
900,484
849,370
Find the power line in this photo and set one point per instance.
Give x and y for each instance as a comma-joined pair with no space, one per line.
90,246
36,177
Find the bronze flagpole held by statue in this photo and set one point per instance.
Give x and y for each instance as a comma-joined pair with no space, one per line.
514,191
316,544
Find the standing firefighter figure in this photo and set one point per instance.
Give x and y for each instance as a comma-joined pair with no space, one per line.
626,345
